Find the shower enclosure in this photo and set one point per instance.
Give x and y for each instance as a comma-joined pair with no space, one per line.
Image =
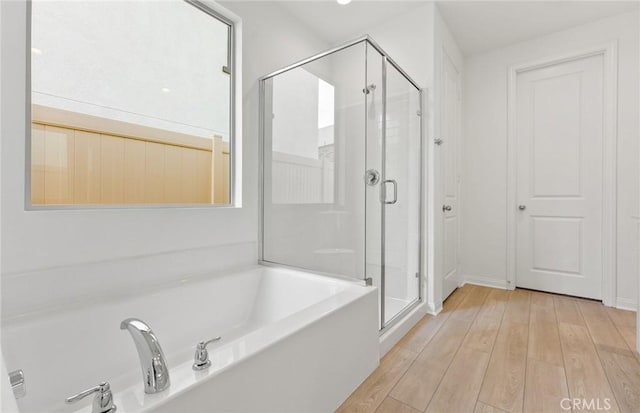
341,171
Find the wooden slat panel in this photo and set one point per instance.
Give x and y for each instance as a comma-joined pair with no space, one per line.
220,171
203,162
134,171
189,174
37,164
154,173
112,161
82,167
59,165
173,174
225,179
87,174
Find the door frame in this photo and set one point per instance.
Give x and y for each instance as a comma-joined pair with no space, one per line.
609,53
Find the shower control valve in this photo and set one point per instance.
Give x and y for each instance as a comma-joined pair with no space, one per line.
201,357
372,177
103,400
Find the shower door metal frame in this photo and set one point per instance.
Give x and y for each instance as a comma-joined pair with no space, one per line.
261,151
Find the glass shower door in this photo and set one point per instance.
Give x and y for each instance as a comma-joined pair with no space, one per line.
401,194
393,199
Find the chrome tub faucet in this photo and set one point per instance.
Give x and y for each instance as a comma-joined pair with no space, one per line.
155,372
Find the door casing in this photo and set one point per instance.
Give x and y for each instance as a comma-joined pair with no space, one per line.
609,194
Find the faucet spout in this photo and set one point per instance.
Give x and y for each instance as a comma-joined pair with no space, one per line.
155,372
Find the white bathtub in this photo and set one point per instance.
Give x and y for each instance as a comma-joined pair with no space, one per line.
292,341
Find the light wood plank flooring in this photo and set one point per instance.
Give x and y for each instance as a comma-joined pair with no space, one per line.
492,351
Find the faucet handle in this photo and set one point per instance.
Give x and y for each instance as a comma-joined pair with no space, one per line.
102,403
201,357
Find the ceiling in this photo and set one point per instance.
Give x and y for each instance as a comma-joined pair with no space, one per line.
338,24
479,26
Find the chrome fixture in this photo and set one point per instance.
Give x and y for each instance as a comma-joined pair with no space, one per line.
438,142
522,207
384,192
155,372
369,89
16,379
201,357
446,208
102,403
372,177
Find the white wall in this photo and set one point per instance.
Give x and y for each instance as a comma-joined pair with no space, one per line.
410,40
485,147
80,254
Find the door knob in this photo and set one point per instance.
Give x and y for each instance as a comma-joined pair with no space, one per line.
438,142
446,208
522,207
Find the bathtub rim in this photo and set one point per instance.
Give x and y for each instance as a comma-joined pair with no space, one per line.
133,399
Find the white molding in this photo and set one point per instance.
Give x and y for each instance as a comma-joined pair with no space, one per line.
626,304
434,309
484,281
609,194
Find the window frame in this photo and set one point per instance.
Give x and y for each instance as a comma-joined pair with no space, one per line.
235,120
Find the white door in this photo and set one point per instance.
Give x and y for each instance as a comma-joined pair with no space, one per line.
448,178
559,127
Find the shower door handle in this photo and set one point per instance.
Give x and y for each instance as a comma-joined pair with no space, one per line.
384,191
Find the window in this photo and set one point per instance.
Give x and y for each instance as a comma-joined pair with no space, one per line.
303,157
131,104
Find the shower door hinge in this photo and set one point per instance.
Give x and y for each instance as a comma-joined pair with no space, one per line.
369,89
368,281
419,113
417,275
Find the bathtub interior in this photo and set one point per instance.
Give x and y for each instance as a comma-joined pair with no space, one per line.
67,350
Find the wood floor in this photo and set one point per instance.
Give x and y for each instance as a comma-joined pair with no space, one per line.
493,351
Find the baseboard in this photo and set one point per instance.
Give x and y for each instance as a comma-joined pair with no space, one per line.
626,304
434,309
621,302
483,281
